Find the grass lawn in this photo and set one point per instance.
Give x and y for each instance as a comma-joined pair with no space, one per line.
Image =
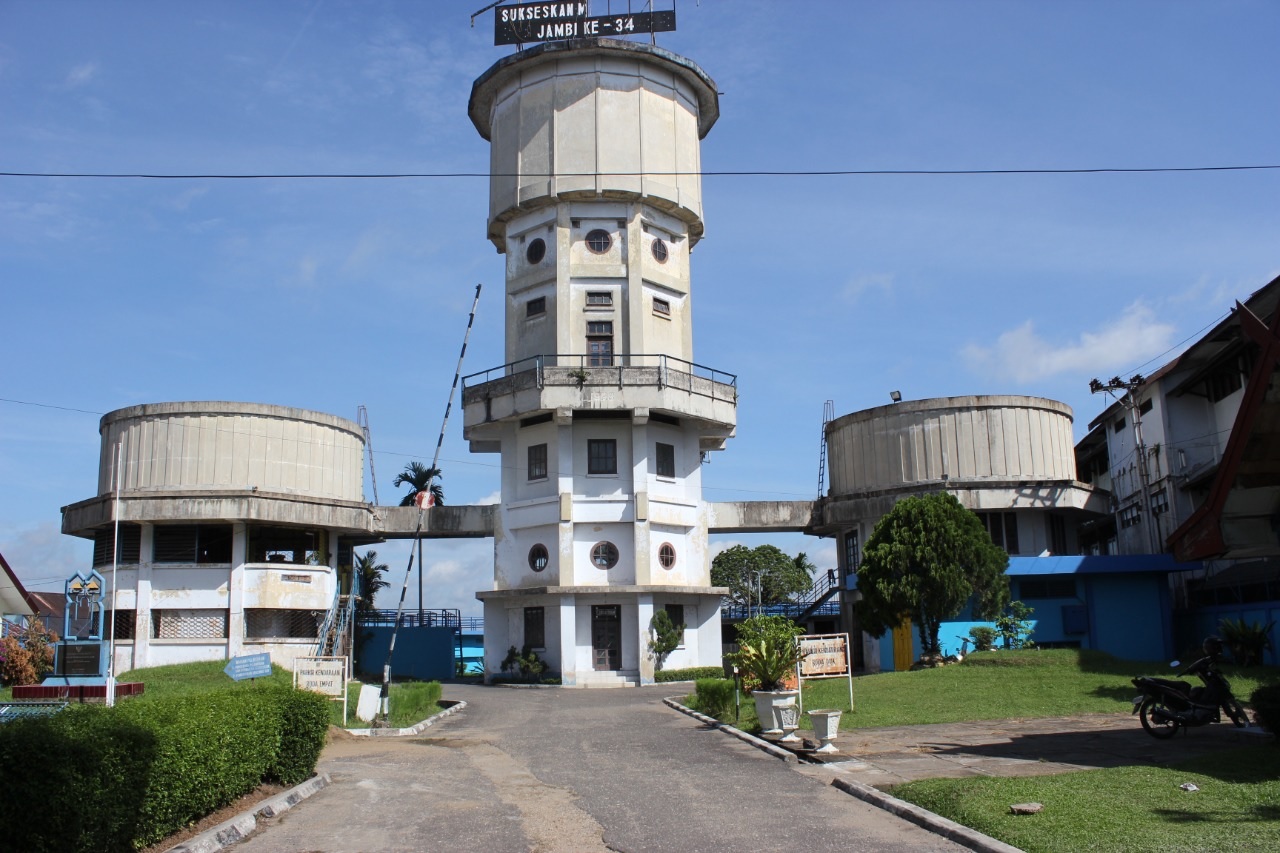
994,686
411,702
1126,808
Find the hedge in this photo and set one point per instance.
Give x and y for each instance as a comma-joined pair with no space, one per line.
1266,707
693,673
714,696
105,779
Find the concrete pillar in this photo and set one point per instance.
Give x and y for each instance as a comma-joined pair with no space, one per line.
235,589
644,615
142,601
568,641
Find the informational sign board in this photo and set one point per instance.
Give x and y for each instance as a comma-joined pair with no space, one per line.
327,676
824,656
248,666
534,22
78,660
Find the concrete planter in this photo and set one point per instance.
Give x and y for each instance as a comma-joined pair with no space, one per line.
767,701
826,726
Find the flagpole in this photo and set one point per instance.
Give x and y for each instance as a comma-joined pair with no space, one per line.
115,560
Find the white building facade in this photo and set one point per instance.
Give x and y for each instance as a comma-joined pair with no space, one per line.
233,521
601,417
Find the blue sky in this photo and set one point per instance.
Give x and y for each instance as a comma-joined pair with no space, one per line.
337,293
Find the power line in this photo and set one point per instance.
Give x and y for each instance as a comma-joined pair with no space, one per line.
744,173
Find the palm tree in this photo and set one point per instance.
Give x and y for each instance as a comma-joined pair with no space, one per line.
370,573
416,476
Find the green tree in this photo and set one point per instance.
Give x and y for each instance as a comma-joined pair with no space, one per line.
762,575
370,572
416,476
925,559
666,636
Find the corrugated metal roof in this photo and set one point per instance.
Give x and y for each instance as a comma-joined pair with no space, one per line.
1106,565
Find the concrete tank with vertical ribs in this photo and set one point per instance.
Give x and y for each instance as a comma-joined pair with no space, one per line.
201,446
952,439
594,119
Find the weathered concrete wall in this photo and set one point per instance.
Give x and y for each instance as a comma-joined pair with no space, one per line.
594,118
193,446
951,439
761,516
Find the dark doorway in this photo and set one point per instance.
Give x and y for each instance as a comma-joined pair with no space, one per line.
606,637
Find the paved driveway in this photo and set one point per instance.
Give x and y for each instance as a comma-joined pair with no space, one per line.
576,770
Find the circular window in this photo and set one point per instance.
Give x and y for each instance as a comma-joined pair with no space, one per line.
536,251
538,557
667,555
659,250
599,241
604,555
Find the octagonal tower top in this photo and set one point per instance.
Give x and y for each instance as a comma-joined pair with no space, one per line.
594,118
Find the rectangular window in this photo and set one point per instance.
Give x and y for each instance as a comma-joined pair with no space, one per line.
534,307
1159,502
1145,407
535,628
600,344
192,543
676,613
602,456
1130,516
852,553
661,307
188,624
1224,382
1118,426
265,624
1058,534
1003,527
124,623
287,545
599,298
130,545
666,459
537,462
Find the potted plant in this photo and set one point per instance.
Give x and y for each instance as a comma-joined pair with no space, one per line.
768,653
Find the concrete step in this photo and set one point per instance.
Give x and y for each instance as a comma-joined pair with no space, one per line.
596,680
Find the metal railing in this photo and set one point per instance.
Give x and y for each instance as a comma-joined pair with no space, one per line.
617,370
448,617
818,601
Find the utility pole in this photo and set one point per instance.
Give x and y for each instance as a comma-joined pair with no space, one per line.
1130,402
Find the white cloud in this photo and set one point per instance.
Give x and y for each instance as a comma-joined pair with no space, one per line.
1023,355
81,75
491,498
43,558
859,286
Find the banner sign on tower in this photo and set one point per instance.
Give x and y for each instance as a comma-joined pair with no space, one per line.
530,22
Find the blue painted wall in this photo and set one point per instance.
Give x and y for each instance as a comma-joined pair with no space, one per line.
423,653
1203,621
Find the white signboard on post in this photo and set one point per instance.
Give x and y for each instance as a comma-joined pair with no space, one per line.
824,656
327,676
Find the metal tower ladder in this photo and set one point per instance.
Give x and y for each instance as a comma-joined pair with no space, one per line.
828,415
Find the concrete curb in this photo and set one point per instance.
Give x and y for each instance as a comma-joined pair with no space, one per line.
242,826
936,824
760,744
412,730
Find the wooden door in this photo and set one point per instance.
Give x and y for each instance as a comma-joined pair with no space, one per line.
903,652
606,637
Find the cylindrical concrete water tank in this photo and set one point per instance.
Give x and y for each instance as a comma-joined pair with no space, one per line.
590,119
956,439
209,446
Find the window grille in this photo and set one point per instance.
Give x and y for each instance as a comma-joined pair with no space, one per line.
536,251
535,633
667,558
675,612
602,456
661,307
534,307
666,460
188,624
599,298
659,248
852,553
192,543
130,545
537,462
538,557
262,624
599,241
604,555
125,625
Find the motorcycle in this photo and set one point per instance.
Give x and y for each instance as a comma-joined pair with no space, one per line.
1165,705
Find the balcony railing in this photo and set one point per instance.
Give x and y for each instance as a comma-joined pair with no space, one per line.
602,371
